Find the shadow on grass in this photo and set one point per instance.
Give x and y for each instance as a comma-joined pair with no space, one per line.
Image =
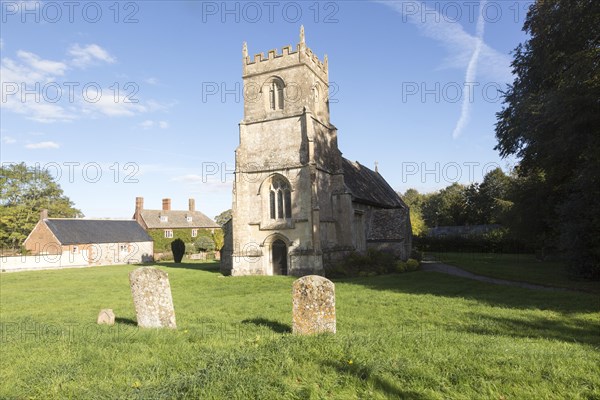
213,267
275,326
443,285
365,373
125,321
585,332
567,329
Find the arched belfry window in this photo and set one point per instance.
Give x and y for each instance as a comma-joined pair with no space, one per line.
280,199
275,92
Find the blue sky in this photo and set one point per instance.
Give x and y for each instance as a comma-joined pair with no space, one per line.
126,99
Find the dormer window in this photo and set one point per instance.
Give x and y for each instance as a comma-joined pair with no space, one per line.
188,218
164,218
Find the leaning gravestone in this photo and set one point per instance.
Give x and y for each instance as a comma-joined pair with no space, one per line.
314,305
152,298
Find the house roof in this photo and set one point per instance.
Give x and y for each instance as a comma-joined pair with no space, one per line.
86,231
177,219
369,187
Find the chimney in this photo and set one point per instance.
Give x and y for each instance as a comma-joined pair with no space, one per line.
166,205
43,214
192,203
139,204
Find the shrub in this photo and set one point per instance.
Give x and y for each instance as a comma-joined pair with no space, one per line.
401,266
412,264
371,263
178,249
190,248
416,254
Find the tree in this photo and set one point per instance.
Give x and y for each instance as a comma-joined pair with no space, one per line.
178,249
446,207
222,218
551,121
24,192
415,201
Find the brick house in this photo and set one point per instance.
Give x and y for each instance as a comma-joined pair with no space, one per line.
166,225
96,241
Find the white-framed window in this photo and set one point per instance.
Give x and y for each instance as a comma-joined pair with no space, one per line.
194,232
74,249
124,248
164,218
168,233
188,218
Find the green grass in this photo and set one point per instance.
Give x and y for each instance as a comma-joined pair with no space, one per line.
518,267
419,335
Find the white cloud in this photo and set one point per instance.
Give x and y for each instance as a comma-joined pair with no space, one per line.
44,66
42,145
90,54
152,81
8,140
147,124
111,106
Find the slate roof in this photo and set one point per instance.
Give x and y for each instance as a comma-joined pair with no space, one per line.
85,231
388,225
177,219
368,187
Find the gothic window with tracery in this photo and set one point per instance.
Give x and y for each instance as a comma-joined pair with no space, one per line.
280,199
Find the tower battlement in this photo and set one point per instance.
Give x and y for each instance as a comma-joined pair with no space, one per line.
259,64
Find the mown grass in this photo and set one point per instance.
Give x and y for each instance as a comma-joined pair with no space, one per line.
419,335
518,267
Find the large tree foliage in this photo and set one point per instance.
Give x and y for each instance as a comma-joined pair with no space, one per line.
222,218
551,121
24,192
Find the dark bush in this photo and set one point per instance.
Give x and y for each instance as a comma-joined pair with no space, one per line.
498,241
371,263
178,249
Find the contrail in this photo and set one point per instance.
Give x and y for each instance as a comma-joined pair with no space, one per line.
470,74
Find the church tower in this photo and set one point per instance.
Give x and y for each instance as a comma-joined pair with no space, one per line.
289,199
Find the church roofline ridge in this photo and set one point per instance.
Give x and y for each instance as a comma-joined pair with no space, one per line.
302,52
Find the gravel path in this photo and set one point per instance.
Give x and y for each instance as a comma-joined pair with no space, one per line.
434,266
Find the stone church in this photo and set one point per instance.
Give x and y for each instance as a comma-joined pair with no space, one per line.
297,203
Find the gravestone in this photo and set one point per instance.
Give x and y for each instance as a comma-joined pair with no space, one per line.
313,305
106,317
152,298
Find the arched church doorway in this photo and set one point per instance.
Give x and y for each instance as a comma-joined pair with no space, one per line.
279,257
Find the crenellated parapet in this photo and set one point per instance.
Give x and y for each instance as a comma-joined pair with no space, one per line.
288,57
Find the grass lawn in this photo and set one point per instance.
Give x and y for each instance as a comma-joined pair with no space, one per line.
419,335
517,267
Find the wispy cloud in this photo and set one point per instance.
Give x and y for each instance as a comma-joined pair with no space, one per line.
149,124
463,50
45,66
470,75
458,43
8,140
88,55
42,145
